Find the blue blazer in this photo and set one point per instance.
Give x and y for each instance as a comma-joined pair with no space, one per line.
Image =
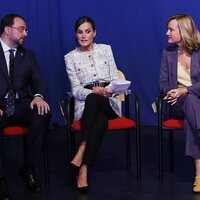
168,71
27,78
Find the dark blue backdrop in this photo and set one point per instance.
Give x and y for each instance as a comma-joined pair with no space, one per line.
134,28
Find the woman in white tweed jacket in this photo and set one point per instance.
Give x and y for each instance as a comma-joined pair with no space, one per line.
91,67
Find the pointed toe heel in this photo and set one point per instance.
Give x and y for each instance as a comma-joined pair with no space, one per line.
196,185
83,190
74,166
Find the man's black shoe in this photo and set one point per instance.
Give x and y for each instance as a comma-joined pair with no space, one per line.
4,193
31,181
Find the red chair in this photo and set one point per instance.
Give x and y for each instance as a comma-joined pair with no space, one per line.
123,123
21,131
170,125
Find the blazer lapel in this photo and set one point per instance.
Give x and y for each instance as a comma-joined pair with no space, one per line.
3,66
174,61
194,67
18,60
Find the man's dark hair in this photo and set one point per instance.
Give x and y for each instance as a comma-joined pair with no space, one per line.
8,20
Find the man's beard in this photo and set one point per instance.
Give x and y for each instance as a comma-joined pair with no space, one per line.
20,41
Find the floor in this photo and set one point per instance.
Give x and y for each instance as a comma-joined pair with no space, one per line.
108,177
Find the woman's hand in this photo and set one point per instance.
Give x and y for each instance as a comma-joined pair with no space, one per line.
1,112
105,92
174,94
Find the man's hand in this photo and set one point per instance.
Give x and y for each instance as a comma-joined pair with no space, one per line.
42,105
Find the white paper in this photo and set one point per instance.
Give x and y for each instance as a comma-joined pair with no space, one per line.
154,107
119,86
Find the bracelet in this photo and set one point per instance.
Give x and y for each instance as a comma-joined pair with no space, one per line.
38,95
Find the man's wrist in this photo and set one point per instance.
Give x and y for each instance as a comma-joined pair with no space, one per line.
38,95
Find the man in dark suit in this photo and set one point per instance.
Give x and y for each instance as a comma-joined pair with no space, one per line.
30,109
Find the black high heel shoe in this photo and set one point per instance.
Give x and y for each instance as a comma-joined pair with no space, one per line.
83,190
74,166
74,170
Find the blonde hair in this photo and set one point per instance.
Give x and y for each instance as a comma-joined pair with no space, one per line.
188,31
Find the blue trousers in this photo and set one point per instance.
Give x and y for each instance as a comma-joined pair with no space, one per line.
188,109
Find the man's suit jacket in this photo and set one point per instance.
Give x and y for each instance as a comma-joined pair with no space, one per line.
168,71
27,78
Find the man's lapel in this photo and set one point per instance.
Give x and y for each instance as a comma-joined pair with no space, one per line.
3,66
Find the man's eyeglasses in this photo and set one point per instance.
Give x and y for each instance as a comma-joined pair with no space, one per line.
21,29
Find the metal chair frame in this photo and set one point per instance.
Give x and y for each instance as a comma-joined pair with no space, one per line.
162,126
66,106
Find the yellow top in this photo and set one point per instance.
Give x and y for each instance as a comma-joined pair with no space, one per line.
184,79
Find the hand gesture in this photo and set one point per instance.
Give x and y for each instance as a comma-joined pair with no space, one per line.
174,94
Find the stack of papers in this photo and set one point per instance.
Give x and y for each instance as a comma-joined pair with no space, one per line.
119,86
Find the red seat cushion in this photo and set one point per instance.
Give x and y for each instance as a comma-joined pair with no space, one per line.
173,123
113,124
15,130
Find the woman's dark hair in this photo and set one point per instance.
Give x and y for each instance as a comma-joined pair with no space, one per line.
82,20
8,20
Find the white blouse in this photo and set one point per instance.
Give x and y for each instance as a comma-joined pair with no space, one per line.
184,78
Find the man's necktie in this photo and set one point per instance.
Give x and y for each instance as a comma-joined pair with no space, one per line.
10,105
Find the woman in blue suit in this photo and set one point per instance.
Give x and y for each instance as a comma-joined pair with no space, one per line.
180,81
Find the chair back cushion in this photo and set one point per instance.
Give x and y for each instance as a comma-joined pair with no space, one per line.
121,76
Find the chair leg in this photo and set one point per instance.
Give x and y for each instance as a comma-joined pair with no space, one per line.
69,157
138,153
46,159
128,160
171,150
71,151
160,152
73,148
